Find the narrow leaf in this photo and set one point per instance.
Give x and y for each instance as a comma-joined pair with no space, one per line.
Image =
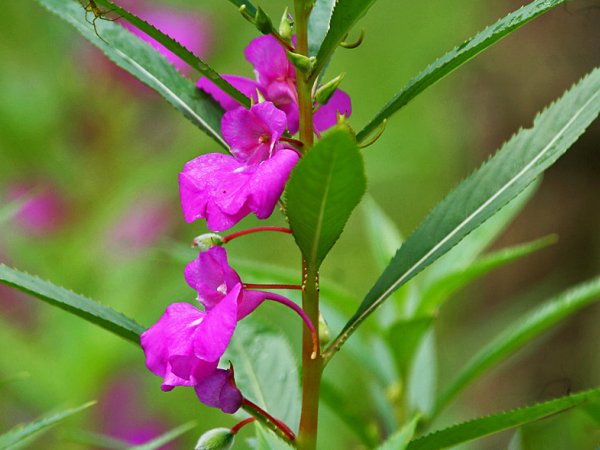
23,432
345,15
400,439
520,161
318,25
457,57
145,63
485,426
404,338
440,291
178,49
521,333
83,307
323,190
96,440
159,442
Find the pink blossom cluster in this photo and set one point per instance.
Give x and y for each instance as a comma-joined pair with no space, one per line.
185,346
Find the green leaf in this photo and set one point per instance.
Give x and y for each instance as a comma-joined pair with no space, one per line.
521,333
440,291
520,161
400,439
265,370
23,432
265,440
323,190
159,442
345,15
145,63
457,57
83,307
478,428
176,48
96,440
249,6
404,338
318,24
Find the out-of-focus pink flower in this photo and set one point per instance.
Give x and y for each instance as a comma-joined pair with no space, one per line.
43,209
276,82
144,223
224,189
191,30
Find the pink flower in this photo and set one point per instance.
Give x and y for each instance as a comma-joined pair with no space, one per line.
44,207
276,82
224,189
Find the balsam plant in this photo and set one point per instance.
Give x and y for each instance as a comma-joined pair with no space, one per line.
286,146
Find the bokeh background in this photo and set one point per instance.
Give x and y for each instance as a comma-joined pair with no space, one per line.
98,155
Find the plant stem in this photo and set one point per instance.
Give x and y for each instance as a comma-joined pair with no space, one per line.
233,236
312,367
275,425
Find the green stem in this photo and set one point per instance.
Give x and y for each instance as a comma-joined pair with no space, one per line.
305,104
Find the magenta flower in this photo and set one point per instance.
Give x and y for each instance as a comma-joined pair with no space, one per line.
224,189
44,207
276,82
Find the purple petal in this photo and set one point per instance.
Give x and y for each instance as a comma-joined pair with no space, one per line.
250,301
268,181
269,60
211,276
219,391
252,134
204,181
168,346
246,86
214,333
326,116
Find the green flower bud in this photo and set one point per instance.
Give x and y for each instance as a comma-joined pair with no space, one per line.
206,241
325,92
216,439
324,335
285,26
304,63
263,21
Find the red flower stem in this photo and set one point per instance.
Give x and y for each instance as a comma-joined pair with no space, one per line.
255,230
294,142
290,304
234,429
272,286
268,420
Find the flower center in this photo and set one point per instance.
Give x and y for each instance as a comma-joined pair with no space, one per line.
263,139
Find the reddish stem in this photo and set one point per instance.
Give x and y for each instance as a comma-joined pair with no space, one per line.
295,142
234,429
255,230
272,286
282,426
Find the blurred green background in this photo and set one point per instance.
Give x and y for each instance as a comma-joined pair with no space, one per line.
110,150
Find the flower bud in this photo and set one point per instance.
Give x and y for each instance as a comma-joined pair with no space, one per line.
325,92
206,241
216,439
304,63
285,26
324,335
263,21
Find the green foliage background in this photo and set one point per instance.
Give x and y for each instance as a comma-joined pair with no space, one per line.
106,142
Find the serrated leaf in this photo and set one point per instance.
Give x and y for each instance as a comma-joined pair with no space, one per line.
478,428
345,15
318,24
22,432
265,370
520,161
400,439
176,48
76,304
521,333
457,57
165,438
323,190
145,63
439,292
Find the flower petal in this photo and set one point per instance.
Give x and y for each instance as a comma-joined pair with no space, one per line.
246,86
269,60
326,116
219,391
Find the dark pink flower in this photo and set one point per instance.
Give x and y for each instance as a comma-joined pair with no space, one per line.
276,82
224,189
